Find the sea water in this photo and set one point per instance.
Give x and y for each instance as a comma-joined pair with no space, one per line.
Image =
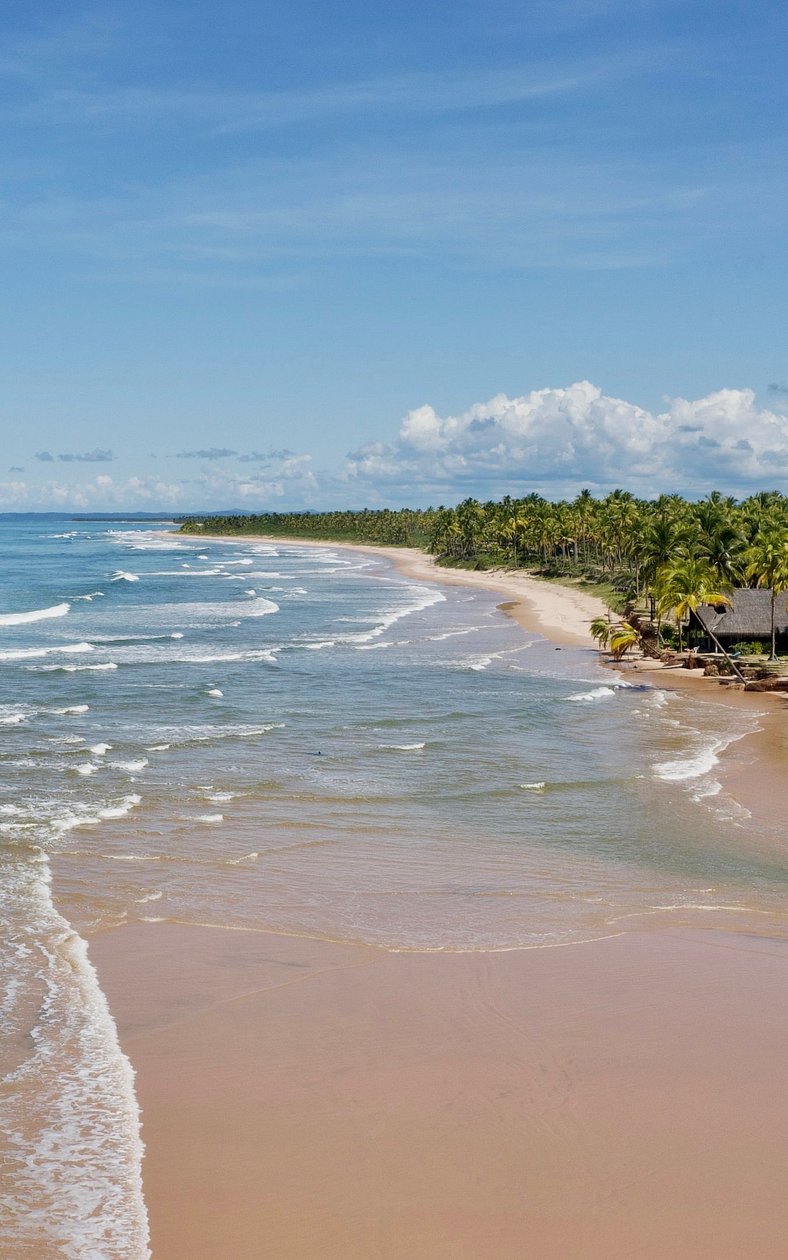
298,739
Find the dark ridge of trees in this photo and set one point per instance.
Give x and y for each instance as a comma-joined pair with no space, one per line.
407,527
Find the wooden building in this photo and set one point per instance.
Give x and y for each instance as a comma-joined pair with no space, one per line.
746,619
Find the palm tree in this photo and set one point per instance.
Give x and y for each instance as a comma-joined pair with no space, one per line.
685,584
623,637
767,563
601,628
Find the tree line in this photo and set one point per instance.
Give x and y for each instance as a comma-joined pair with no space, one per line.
671,551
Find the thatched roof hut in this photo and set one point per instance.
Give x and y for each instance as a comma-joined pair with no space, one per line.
747,617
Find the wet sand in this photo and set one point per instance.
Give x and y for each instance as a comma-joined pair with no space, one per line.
314,1101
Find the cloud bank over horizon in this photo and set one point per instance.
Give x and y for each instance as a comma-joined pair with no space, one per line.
555,441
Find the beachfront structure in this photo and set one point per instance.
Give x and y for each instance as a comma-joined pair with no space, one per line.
747,618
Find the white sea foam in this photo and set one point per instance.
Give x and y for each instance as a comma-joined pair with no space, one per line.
87,598
158,747
533,787
697,762
86,768
206,818
204,733
598,693
38,614
453,634
260,607
72,1183
132,767
71,708
69,669
133,857
26,654
247,857
403,747
120,575
691,765
121,807
482,662
214,691
99,750
13,716
135,638
185,571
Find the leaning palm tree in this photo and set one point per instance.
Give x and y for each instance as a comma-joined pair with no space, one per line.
767,564
623,637
601,629
684,584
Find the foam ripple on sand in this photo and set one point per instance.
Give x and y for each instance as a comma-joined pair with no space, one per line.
71,1119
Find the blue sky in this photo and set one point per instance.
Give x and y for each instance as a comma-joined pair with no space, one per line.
323,254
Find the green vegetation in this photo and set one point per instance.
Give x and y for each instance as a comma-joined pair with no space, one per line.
405,528
745,648
664,557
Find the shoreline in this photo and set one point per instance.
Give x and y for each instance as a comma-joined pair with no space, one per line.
561,614
557,612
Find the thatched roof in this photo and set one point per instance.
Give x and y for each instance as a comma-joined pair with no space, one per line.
748,616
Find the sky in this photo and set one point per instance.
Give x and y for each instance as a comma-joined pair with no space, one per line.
316,255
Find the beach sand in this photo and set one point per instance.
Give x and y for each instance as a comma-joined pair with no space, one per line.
312,1100
304,1100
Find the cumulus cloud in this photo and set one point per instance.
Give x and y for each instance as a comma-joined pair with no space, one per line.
213,452
15,468
287,476
558,440
97,456
100,494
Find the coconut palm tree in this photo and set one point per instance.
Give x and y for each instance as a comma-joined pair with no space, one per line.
767,564
684,584
623,637
601,628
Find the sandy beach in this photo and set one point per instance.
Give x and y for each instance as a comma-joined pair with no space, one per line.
314,1100
317,1101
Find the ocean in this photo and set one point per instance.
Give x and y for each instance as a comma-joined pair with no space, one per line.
291,739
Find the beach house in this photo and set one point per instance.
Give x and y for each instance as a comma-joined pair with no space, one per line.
746,619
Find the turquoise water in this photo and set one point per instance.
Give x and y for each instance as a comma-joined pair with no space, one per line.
300,739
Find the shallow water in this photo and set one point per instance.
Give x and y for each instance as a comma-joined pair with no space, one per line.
285,738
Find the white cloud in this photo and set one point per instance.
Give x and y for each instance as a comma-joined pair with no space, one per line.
554,441
100,494
558,440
